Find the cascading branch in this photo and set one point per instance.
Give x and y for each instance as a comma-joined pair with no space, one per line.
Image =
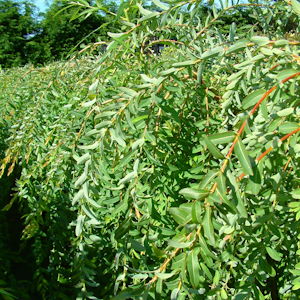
179,171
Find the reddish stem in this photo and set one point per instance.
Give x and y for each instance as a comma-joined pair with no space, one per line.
270,149
253,110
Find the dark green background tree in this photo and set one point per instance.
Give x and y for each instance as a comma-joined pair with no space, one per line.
60,32
29,37
17,25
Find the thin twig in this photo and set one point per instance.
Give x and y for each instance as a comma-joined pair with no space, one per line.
239,133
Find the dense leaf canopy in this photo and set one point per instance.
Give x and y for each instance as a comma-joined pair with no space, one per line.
172,176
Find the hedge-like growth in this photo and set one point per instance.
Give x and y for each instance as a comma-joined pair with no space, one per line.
164,177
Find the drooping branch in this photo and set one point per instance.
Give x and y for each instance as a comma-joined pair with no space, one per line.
260,157
251,113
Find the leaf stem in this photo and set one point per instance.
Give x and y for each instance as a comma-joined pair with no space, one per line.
259,158
240,131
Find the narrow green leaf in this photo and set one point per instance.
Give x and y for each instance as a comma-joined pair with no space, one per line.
81,179
208,226
206,271
164,276
294,205
136,166
250,61
152,15
197,212
260,40
266,51
240,206
288,127
155,81
129,293
90,147
138,143
221,183
182,214
222,195
140,276
236,47
168,71
184,63
236,75
83,158
296,194
295,272
204,247
89,103
193,267
255,182
232,85
105,114
213,149
274,254
93,203
127,178
212,52
208,178
77,197
281,43
296,6
222,138
85,187
177,244
216,278
115,136
286,73
5,294
175,293
200,72
143,11
243,157
285,112
117,35
161,5
253,98
93,219
129,92
193,194
79,225
139,118
296,285
232,31
223,294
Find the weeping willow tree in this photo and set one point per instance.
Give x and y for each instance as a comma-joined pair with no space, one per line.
172,176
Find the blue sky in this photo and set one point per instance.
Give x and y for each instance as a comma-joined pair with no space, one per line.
42,4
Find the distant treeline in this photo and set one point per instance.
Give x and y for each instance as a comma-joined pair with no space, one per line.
27,36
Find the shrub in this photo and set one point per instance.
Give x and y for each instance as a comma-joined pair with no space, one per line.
150,177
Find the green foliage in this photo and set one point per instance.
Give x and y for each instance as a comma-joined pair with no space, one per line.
30,38
16,23
172,176
60,33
